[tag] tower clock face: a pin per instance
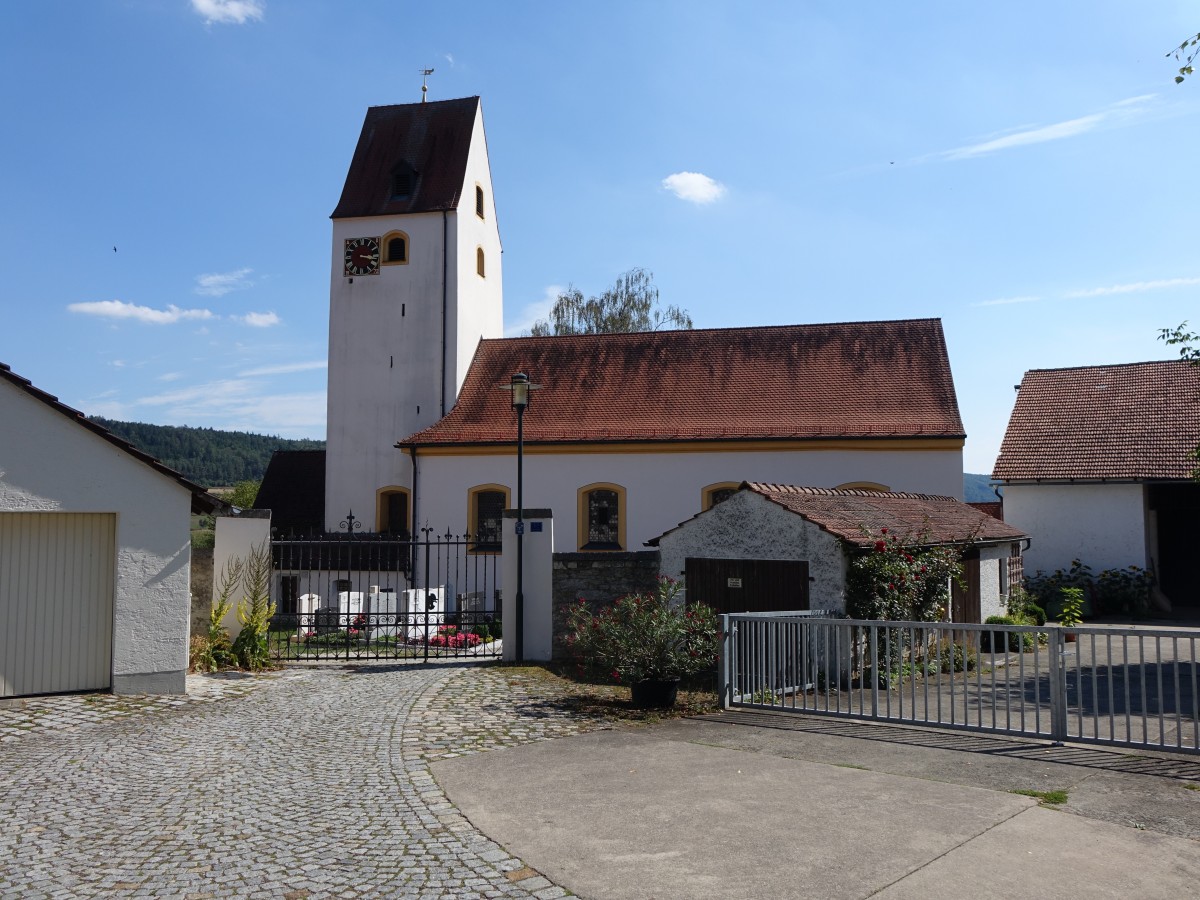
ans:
(362, 256)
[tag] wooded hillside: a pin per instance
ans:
(206, 456)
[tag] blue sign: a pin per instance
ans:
(535, 526)
(520, 528)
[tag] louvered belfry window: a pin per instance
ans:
(397, 250)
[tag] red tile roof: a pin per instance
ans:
(202, 501)
(812, 382)
(433, 138)
(858, 517)
(994, 508)
(1121, 423)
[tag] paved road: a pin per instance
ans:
(309, 782)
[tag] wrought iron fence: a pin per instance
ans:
(1131, 686)
(354, 596)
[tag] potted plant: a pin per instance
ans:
(648, 641)
(1072, 610)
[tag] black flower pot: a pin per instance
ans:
(655, 694)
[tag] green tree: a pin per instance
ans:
(1186, 54)
(629, 305)
(244, 494)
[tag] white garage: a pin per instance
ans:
(95, 552)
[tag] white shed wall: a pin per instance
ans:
(1102, 525)
(49, 463)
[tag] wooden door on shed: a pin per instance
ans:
(748, 585)
(964, 601)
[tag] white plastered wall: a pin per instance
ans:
(49, 463)
(663, 489)
(991, 558)
(749, 526)
(1102, 525)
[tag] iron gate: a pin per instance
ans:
(1131, 686)
(384, 597)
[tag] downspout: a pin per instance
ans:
(445, 297)
(412, 532)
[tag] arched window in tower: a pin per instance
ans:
(479, 267)
(479, 201)
(395, 248)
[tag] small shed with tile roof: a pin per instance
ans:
(750, 542)
(1097, 465)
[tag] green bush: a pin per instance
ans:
(1110, 592)
(996, 641)
(901, 580)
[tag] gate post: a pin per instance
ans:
(1056, 648)
(538, 577)
(723, 666)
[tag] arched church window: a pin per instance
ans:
(479, 266)
(479, 201)
(395, 248)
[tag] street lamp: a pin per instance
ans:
(522, 393)
(520, 388)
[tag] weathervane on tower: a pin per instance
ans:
(425, 73)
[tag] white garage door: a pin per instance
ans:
(56, 602)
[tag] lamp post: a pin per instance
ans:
(520, 400)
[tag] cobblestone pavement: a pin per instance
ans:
(310, 782)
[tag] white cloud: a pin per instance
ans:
(535, 311)
(118, 309)
(1121, 111)
(450, 58)
(694, 187)
(258, 320)
(230, 12)
(237, 405)
(1136, 287)
(170, 376)
(1004, 301)
(285, 368)
(218, 284)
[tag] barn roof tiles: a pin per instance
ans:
(812, 382)
(858, 517)
(1103, 423)
(432, 139)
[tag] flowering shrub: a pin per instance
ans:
(644, 637)
(450, 636)
(901, 580)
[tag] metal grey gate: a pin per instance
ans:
(1130, 686)
(365, 597)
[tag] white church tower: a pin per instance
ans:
(415, 283)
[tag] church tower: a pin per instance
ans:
(415, 283)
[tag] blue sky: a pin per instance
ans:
(1025, 171)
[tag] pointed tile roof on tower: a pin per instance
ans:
(433, 138)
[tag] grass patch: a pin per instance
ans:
(1192, 787)
(1047, 798)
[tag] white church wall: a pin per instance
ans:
(664, 489)
(480, 311)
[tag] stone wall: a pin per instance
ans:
(598, 578)
(202, 589)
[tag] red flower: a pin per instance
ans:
(616, 675)
(880, 546)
